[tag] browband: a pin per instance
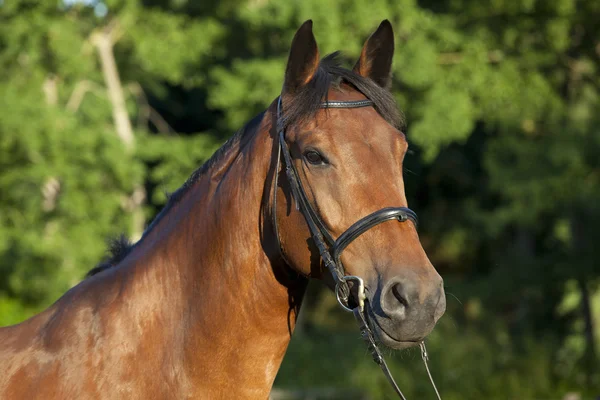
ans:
(347, 104)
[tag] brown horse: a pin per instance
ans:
(204, 305)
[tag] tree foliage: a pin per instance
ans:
(501, 100)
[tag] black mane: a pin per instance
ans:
(301, 107)
(120, 247)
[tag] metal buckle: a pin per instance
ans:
(361, 292)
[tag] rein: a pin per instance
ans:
(331, 249)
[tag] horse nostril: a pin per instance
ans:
(397, 291)
(395, 298)
(410, 304)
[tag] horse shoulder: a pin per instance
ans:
(51, 354)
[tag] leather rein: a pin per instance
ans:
(331, 249)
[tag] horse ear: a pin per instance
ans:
(303, 61)
(375, 60)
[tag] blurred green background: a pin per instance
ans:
(502, 102)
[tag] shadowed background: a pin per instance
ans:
(106, 105)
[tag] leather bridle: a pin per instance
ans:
(331, 249)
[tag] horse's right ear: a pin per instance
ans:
(303, 61)
(375, 60)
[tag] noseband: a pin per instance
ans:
(331, 249)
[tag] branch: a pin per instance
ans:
(50, 88)
(147, 112)
(81, 89)
(50, 191)
(135, 200)
(159, 122)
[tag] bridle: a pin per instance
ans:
(331, 249)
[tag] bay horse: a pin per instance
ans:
(204, 305)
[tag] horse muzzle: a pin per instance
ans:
(403, 311)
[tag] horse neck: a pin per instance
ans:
(236, 313)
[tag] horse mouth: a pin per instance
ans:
(385, 338)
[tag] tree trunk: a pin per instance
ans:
(589, 358)
(584, 249)
(104, 44)
(104, 41)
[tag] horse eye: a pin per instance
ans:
(314, 157)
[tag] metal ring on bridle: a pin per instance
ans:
(361, 292)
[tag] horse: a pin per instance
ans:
(205, 303)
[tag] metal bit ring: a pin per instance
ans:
(361, 292)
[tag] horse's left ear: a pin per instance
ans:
(303, 61)
(375, 60)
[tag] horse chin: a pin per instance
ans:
(386, 339)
